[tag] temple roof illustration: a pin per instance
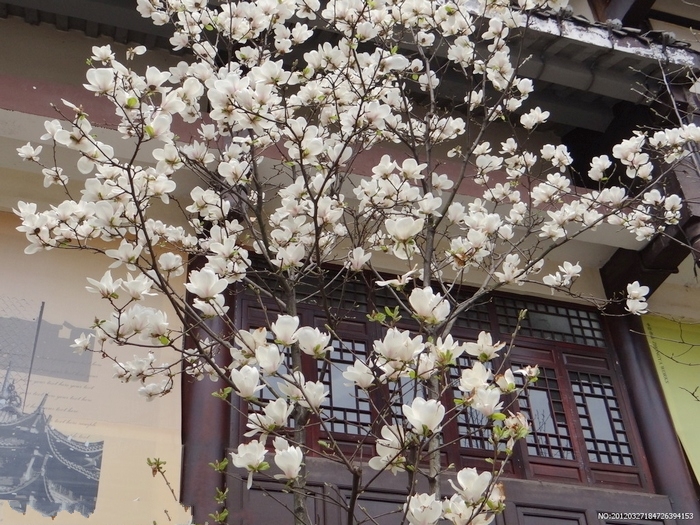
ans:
(41, 467)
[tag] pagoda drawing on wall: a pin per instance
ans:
(40, 467)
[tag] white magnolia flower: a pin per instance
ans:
(205, 283)
(246, 381)
(27, 152)
(288, 459)
(484, 348)
(357, 258)
(533, 118)
(274, 416)
(250, 456)
(82, 343)
(487, 400)
(102, 54)
(475, 377)
(389, 449)
(314, 394)
(137, 287)
(636, 306)
(269, 358)
(250, 340)
(101, 80)
(423, 509)
(459, 512)
(430, 308)
(446, 351)
(171, 263)
(403, 229)
(127, 253)
(637, 291)
(312, 341)
(152, 390)
(106, 287)
(285, 329)
(506, 381)
(291, 386)
(360, 374)
(400, 281)
(424, 416)
(398, 345)
(472, 484)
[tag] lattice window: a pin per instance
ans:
(344, 294)
(347, 407)
(601, 419)
(477, 318)
(542, 404)
(471, 424)
(401, 392)
(551, 322)
(348, 295)
(576, 418)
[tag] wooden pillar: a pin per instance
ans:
(205, 431)
(665, 455)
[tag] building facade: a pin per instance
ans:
(603, 448)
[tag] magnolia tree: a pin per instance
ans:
(284, 209)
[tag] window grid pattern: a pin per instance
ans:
(347, 407)
(401, 392)
(384, 297)
(542, 404)
(272, 389)
(551, 322)
(546, 404)
(471, 424)
(348, 295)
(477, 318)
(273, 382)
(601, 419)
(345, 294)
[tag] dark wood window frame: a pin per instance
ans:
(586, 449)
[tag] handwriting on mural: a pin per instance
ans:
(36, 381)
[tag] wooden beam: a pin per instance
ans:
(661, 257)
(650, 266)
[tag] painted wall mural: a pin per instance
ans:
(73, 440)
(40, 466)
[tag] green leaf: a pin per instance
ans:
(377, 317)
(164, 340)
(219, 466)
(393, 313)
(221, 495)
(223, 393)
(219, 517)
